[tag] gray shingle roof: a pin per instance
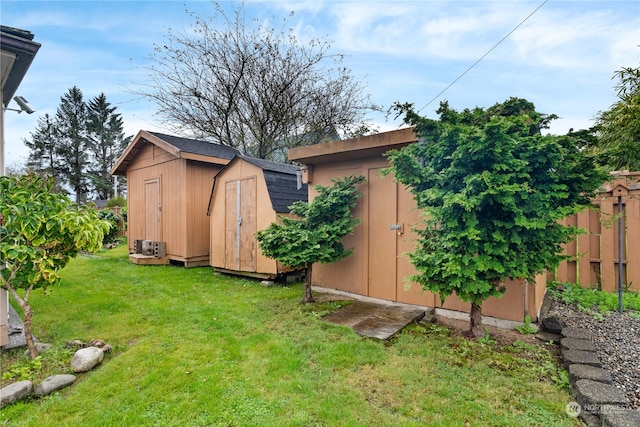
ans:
(196, 146)
(281, 180)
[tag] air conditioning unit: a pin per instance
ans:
(147, 247)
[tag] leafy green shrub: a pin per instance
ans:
(114, 220)
(594, 301)
(116, 201)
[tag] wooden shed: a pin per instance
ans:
(247, 196)
(378, 268)
(168, 187)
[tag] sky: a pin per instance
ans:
(562, 57)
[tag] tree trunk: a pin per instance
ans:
(475, 317)
(308, 296)
(28, 314)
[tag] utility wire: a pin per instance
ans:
(483, 56)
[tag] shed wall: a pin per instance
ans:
(183, 193)
(264, 215)
(379, 266)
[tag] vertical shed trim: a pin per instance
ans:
(238, 222)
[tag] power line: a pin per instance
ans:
(483, 56)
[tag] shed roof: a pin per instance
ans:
(281, 179)
(353, 149)
(186, 148)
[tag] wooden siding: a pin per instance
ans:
(184, 188)
(379, 266)
(595, 261)
(256, 204)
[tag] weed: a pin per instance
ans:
(486, 339)
(23, 369)
(527, 327)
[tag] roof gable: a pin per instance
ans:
(185, 148)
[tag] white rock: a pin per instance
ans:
(86, 359)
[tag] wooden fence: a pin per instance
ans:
(595, 261)
(123, 224)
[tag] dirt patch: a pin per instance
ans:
(503, 337)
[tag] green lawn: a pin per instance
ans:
(196, 348)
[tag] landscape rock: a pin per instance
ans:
(76, 344)
(53, 383)
(594, 395)
(553, 324)
(86, 359)
(580, 333)
(622, 418)
(580, 357)
(267, 283)
(577, 344)
(545, 336)
(15, 392)
(41, 347)
(597, 399)
(106, 348)
(587, 372)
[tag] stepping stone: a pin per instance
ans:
(580, 357)
(352, 314)
(571, 332)
(577, 344)
(386, 322)
(587, 372)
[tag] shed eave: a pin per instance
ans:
(203, 158)
(350, 149)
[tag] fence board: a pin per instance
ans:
(633, 242)
(607, 260)
(595, 254)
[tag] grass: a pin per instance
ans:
(195, 348)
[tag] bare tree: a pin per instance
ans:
(243, 83)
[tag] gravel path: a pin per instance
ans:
(617, 338)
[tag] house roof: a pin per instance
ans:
(281, 179)
(185, 148)
(18, 50)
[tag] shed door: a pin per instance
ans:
(240, 225)
(383, 200)
(152, 210)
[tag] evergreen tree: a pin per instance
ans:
(314, 233)
(493, 189)
(107, 140)
(73, 142)
(43, 158)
